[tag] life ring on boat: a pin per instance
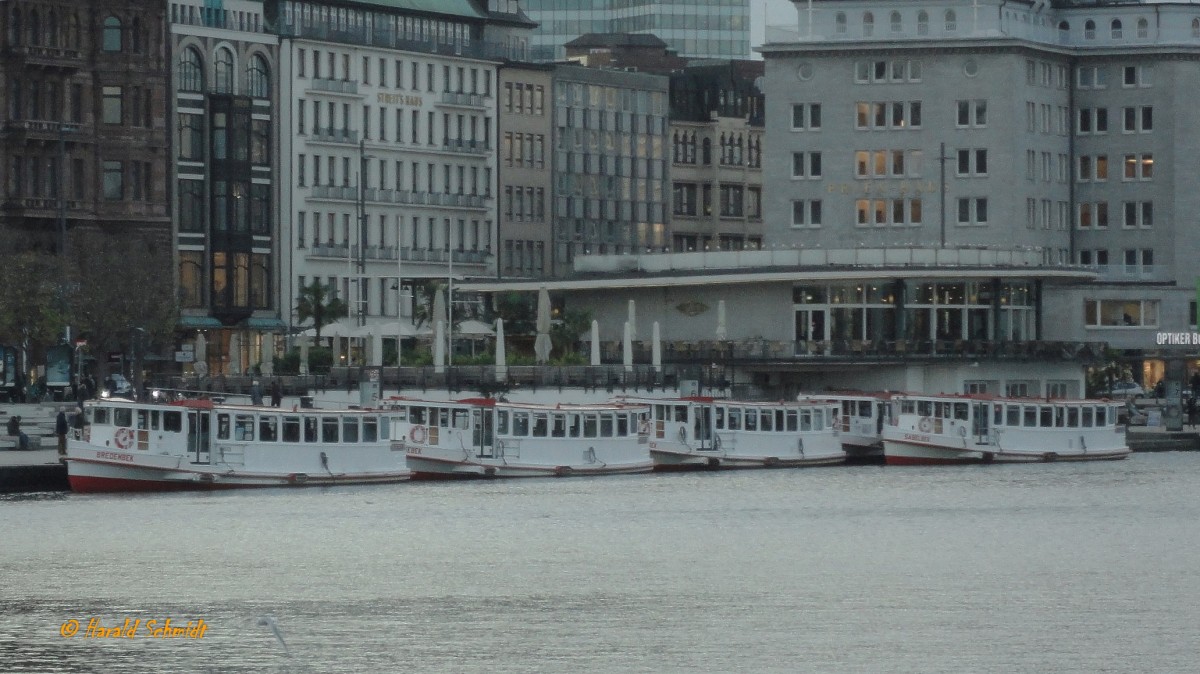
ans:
(123, 438)
(962, 431)
(682, 434)
(925, 425)
(297, 478)
(418, 434)
(644, 427)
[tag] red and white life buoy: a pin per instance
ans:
(925, 425)
(123, 438)
(418, 434)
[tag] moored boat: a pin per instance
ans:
(861, 417)
(197, 444)
(484, 438)
(946, 429)
(700, 432)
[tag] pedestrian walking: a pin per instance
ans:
(276, 393)
(256, 393)
(60, 429)
(1191, 411)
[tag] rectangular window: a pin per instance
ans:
(806, 213)
(111, 107)
(806, 164)
(114, 180)
(1120, 313)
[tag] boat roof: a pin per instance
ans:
(988, 397)
(493, 402)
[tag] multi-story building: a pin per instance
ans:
(695, 29)
(389, 145)
(610, 168)
(226, 196)
(525, 168)
(716, 156)
(1060, 127)
(83, 115)
(582, 165)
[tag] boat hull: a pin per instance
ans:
(676, 457)
(909, 453)
(425, 466)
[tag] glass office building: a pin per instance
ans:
(695, 29)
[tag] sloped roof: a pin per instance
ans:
(617, 40)
(464, 8)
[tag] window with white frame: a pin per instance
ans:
(806, 164)
(971, 162)
(1091, 120)
(887, 163)
(1097, 258)
(1138, 214)
(972, 211)
(806, 213)
(1139, 261)
(1091, 77)
(1120, 313)
(880, 72)
(1136, 76)
(1138, 119)
(806, 116)
(887, 115)
(972, 113)
(1093, 214)
(884, 212)
(1092, 168)
(1138, 166)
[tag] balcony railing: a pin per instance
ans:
(465, 146)
(347, 136)
(388, 253)
(335, 86)
(762, 350)
(463, 99)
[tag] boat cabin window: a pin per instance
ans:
(622, 425)
(1100, 416)
(1087, 414)
(502, 422)
(591, 423)
(558, 425)
(349, 429)
(520, 424)
(462, 419)
(99, 415)
(143, 421)
(123, 417)
(681, 413)
(908, 407)
(925, 408)
(606, 425)
(541, 425)
(791, 420)
(720, 418)
(243, 428)
(751, 419)
(574, 425)
(961, 411)
(370, 429)
(1013, 413)
(401, 414)
(1073, 417)
(864, 409)
(291, 429)
(310, 429)
(1046, 420)
(223, 427)
(268, 428)
(1029, 416)
(173, 422)
(735, 419)
(1059, 417)
(767, 421)
(806, 420)
(329, 429)
(416, 415)
(660, 412)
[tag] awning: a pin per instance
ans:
(199, 323)
(271, 324)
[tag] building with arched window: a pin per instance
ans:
(226, 192)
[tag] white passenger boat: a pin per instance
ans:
(700, 432)
(938, 429)
(129, 446)
(483, 437)
(860, 421)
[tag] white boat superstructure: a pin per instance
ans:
(700, 432)
(483, 437)
(130, 446)
(940, 429)
(861, 417)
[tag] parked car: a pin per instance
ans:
(1123, 389)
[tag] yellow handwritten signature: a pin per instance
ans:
(134, 628)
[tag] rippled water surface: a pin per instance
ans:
(1040, 568)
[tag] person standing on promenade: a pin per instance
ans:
(276, 393)
(60, 429)
(255, 393)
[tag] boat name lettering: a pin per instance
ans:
(116, 456)
(915, 436)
